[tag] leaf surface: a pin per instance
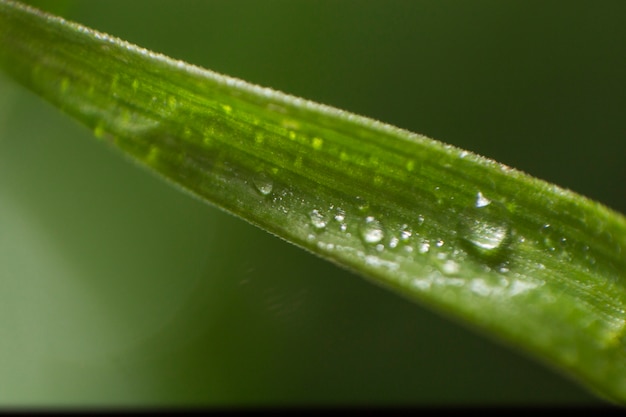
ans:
(516, 257)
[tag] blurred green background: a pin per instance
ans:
(117, 289)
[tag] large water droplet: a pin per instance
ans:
(372, 230)
(263, 183)
(485, 228)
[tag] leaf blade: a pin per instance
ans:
(480, 242)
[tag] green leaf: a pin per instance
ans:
(526, 261)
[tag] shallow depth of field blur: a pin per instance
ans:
(118, 289)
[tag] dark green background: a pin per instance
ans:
(119, 290)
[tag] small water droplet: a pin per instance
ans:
(393, 242)
(372, 230)
(405, 233)
(440, 243)
(318, 220)
(380, 247)
(340, 214)
(263, 183)
(420, 220)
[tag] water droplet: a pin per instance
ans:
(340, 214)
(318, 220)
(424, 247)
(405, 233)
(372, 230)
(420, 220)
(484, 227)
(440, 243)
(393, 242)
(263, 183)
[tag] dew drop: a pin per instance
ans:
(405, 233)
(263, 183)
(371, 230)
(318, 220)
(340, 214)
(424, 247)
(484, 227)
